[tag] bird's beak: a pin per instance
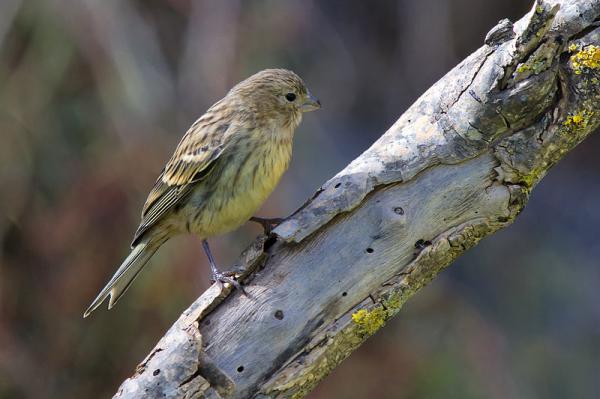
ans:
(311, 103)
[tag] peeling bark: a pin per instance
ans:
(456, 167)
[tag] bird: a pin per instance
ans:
(223, 169)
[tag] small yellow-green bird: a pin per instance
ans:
(223, 169)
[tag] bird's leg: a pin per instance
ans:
(219, 277)
(268, 224)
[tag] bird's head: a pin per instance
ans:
(276, 94)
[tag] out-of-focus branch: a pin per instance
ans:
(456, 167)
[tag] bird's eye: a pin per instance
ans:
(290, 97)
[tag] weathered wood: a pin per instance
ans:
(457, 166)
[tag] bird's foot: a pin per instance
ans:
(220, 277)
(227, 277)
(268, 224)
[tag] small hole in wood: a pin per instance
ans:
(207, 323)
(344, 293)
(399, 210)
(240, 369)
(420, 244)
(156, 372)
(370, 250)
(337, 185)
(279, 314)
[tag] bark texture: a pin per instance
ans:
(456, 167)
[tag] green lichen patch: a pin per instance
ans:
(584, 58)
(542, 59)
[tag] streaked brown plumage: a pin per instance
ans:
(223, 169)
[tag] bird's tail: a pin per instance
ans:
(127, 272)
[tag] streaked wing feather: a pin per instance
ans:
(169, 198)
(192, 161)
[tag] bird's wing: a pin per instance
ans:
(192, 161)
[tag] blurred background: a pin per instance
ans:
(94, 96)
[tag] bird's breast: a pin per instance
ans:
(240, 186)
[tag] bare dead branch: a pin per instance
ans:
(456, 167)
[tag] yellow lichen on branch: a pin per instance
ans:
(579, 119)
(587, 57)
(369, 321)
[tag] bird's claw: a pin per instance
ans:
(227, 277)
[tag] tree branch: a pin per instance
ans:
(456, 167)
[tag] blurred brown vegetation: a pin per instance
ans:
(94, 95)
